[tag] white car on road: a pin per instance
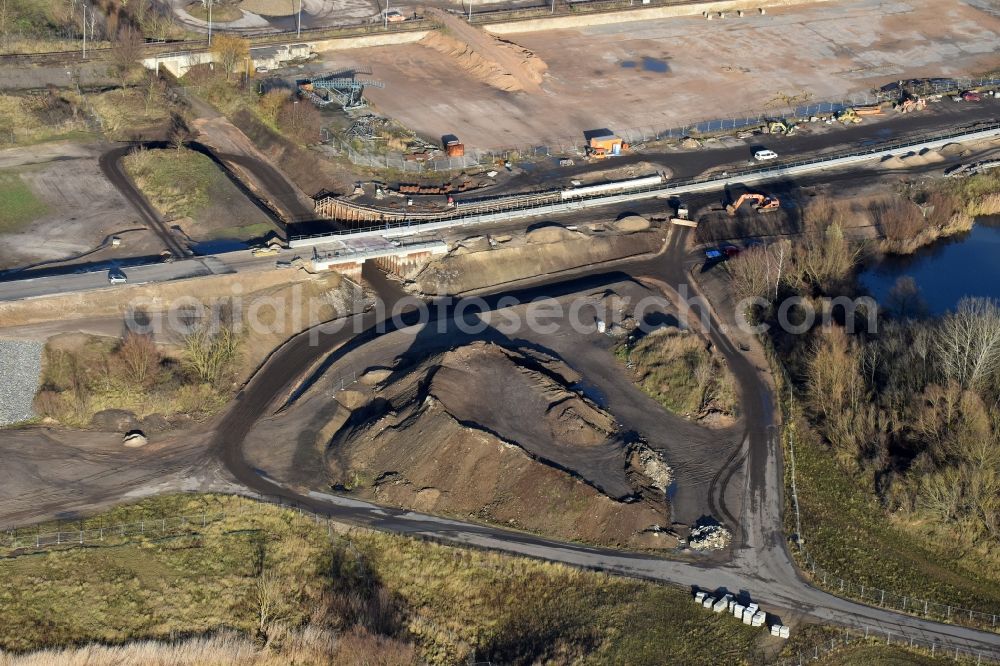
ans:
(765, 155)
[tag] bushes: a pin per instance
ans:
(131, 374)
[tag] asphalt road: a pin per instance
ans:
(690, 163)
(761, 567)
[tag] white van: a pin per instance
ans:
(765, 155)
(117, 277)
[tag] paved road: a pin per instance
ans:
(761, 566)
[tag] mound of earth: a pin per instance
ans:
(501, 435)
(631, 223)
(551, 233)
(498, 63)
(547, 251)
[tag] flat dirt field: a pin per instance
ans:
(79, 208)
(665, 73)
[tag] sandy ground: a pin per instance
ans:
(84, 208)
(666, 73)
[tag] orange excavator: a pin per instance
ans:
(761, 203)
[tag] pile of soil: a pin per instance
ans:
(551, 233)
(922, 158)
(498, 63)
(499, 435)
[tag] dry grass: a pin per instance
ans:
(32, 118)
(358, 597)
(177, 182)
(676, 369)
(82, 380)
(140, 107)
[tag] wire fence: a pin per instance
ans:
(868, 594)
(654, 130)
(95, 532)
(878, 636)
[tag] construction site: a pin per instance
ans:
(548, 87)
(472, 275)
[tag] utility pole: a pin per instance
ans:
(298, 31)
(210, 22)
(84, 31)
(385, 15)
(470, 11)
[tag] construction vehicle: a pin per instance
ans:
(908, 103)
(785, 127)
(848, 116)
(761, 203)
(604, 145)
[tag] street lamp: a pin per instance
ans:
(298, 30)
(210, 21)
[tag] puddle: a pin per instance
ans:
(648, 64)
(655, 65)
(592, 393)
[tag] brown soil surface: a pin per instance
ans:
(484, 57)
(525, 449)
(670, 72)
(536, 253)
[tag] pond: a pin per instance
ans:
(947, 271)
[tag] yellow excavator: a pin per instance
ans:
(761, 203)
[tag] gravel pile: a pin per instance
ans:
(20, 372)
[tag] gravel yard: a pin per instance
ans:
(20, 370)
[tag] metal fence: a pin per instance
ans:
(868, 594)
(652, 130)
(457, 217)
(876, 636)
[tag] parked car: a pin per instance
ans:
(972, 96)
(115, 276)
(765, 155)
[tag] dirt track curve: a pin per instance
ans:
(761, 564)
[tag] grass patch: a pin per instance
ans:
(139, 107)
(677, 370)
(38, 117)
(883, 655)
(241, 232)
(177, 182)
(449, 604)
(18, 204)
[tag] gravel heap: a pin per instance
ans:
(709, 537)
(20, 372)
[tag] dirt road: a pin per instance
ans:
(761, 566)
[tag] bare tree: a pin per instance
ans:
(210, 351)
(125, 55)
(140, 356)
(269, 594)
(968, 344)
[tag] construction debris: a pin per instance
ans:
(709, 537)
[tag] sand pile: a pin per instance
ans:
(551, 233)
(498, 63)
(923, 158)
(631, 223)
